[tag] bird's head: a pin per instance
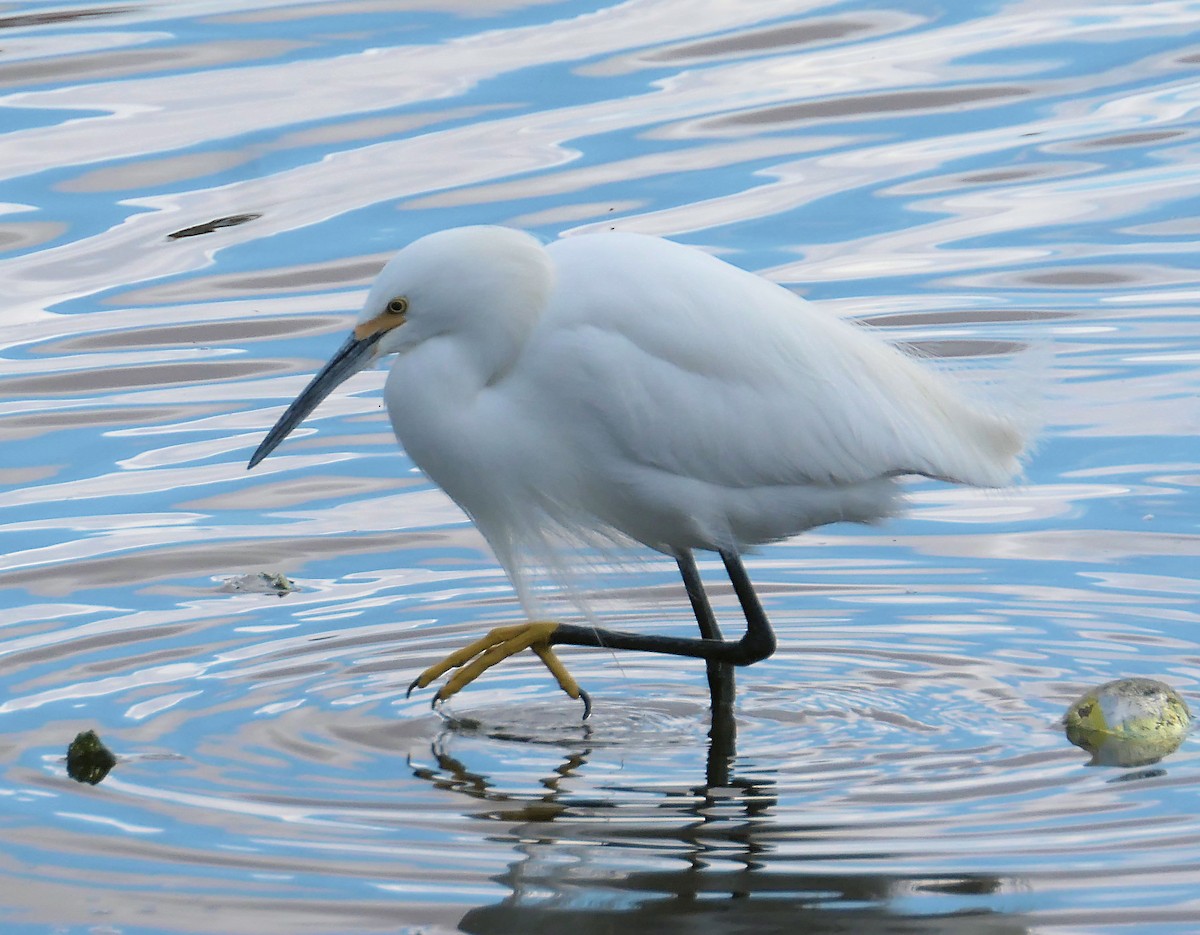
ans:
(484, 286)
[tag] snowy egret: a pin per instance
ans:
(617, 387)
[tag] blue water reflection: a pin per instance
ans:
(974, 179)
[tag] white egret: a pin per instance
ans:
(624, 387)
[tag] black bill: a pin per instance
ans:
(349, 359)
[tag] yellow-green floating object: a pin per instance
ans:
(1128, 722)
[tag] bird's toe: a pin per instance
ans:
(500, 643)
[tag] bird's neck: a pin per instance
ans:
(448, 421)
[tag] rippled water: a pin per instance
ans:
(194, 197)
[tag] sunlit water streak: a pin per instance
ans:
(192, 200)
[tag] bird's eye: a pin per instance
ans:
(398, 305)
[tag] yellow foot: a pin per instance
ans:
(499, 644)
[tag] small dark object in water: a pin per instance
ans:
(209, 226)
(88, 760)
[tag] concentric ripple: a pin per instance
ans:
(195, 196)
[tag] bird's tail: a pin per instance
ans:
(993, 419)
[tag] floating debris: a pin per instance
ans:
(209, 226)
(1128, 722)
(88, 760)
(265, 582)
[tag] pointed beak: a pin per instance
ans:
(350, 358)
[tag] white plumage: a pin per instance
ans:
(661, 392)
(620, 386)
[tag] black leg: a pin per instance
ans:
(722, 746)
(757, 644)
(721, 685)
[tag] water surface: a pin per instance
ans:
(195, 197)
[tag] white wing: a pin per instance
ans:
(701, 370)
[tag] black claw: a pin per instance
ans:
(411, 686)
(587, 703)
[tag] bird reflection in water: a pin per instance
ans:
(699, 860)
